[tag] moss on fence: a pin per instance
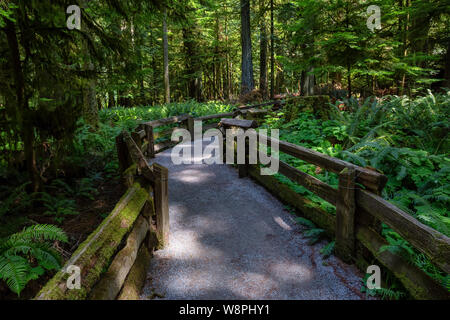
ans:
(94, 255)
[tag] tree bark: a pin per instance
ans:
(23, 112)
(247, 81)
(193, 69)
(272, 53)
(263, 53)
(166, 60)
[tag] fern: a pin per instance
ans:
(313, 233)
(328, 249)
(58, 206)
(26, 255)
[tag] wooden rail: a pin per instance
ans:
(132, 162)
(359, 212)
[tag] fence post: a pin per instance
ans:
(345, 215)
(151, 143)
(125, 161)
(161, 204)
(190, 126)
(137, 139)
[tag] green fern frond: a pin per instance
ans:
(40, 232)
(305, 222)
(14, 271)
(328, 250)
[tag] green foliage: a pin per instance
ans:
(391, 293)
(84, 188)
(328, 249)
(26, 255)
(313, 233)
(387, 134)
(58, 206)
(14, 199)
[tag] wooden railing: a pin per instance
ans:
(131, 150)
(146, 131)
(360, 211)
(114, 259)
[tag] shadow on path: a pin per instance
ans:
(231, 239)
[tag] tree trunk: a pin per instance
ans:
(192, 67)
(272, 53)
(166, 60)
(90, 107)
(23, 113)
(309, 82)
(447, 68)
(263, 53)
(247, 81)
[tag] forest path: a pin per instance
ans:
(231, 239)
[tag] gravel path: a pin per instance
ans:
(231, 239)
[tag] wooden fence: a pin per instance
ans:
(114, 259)
(360, 209)
(131, 150)
(356, 225)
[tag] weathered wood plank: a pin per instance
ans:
(96, 252)
(109, 286)
(369, 178)
(141, 134)
(313, 184)
(161, 192)
(137, 139)
(245, 124)
(135, 280)
(151, 142)
(122, 153)
(138, 157)
(345, 215)
(163, 146)
(214, 116)
(427, 240)
(417, 282)
(166, 121)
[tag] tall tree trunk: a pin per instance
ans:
(23, 113)
(90, 106)
(166, 59)
(272, 53)
(247, 81)
(309, 82)
(349, 79)
(192, 67)
(227, 81)
(447, 68)
(263, 53)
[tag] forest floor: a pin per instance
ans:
(91, 213)
(231, 239)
